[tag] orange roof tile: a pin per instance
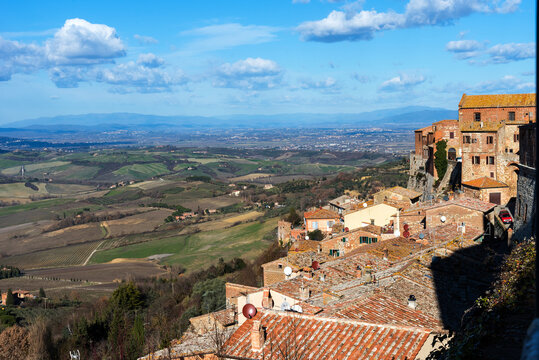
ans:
(320, 214)
(467, 202)
(316, 337)
(382, 309)
(484, 183)
(502, 100)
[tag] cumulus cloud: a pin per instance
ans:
(465, 49)
(497, 54)
(250, 73)
(401, 82)
(81, 51)
(362, 25)
(150, 60)
(145, 40)
(503, 85)
(328, 85)
(504, 53)
(79, 42)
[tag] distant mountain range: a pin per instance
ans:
(400, 118)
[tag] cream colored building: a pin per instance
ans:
(379, 215)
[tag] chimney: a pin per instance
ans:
(267, 301)
(386, 254)
(304, 293)
(359, 272)
(411, 302)
(319, 248)
(322, 277)
(257, 336)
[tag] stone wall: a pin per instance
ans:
(525, 204)
(522, 114)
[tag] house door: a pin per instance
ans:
(495, 198)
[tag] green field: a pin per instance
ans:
(33, 205)
(34, 167)
(18, 190)
(142, 171)
(198, 250)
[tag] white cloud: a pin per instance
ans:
(506, 84)
(225, 36)
(145, 40)
(465, 49)
(498, 54)
(362, 25)
(504, 53)
(328, 85)
(401, 82)
(251, 73)
(150, 60)
(79, 42)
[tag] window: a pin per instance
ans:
(466, 139)
(280, 266)
(333, 252)
(330, 224)
(315, 225)
(372, 221)
(451, 135)
(477, 116)
(374, 240)
(490, 160)
(516, 137)
(490, 140)
(491, 174)
(510, 150)
(474, 140)
(511, 116)
(476, 160)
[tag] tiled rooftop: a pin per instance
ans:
(320, 214)
(403, 191)
(467, 202)
(484, 183)
(312, 337)
(503, 100)
(382, 309)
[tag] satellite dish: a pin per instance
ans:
(421, 236)
(442, 219)
(285, 306)
(406, 227)
(249, 311)
(315, 265)
(297, 308)
(288, 271)
(306, 237)
(406, 234)
(364, 204)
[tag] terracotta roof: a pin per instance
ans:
(467, 202)
(312, 337)
(404, 192)
(502, 100)
(426, 128)
(382, 309)
(445, 121)
(484, 183)
(320, 214)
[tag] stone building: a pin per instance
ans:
(526, 200)
(490, 137)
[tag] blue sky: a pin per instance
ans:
(253, 57)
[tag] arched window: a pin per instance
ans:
(452, 154)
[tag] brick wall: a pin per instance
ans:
(353, 241)
(522, 114)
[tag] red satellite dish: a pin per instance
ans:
(346, 229)
(315, 265)
(249, 311)
(406, 227)
(406, 234)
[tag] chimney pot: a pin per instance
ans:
(411, 302)
(304, 293)
(257, 336)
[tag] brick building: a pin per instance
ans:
(490, 138)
